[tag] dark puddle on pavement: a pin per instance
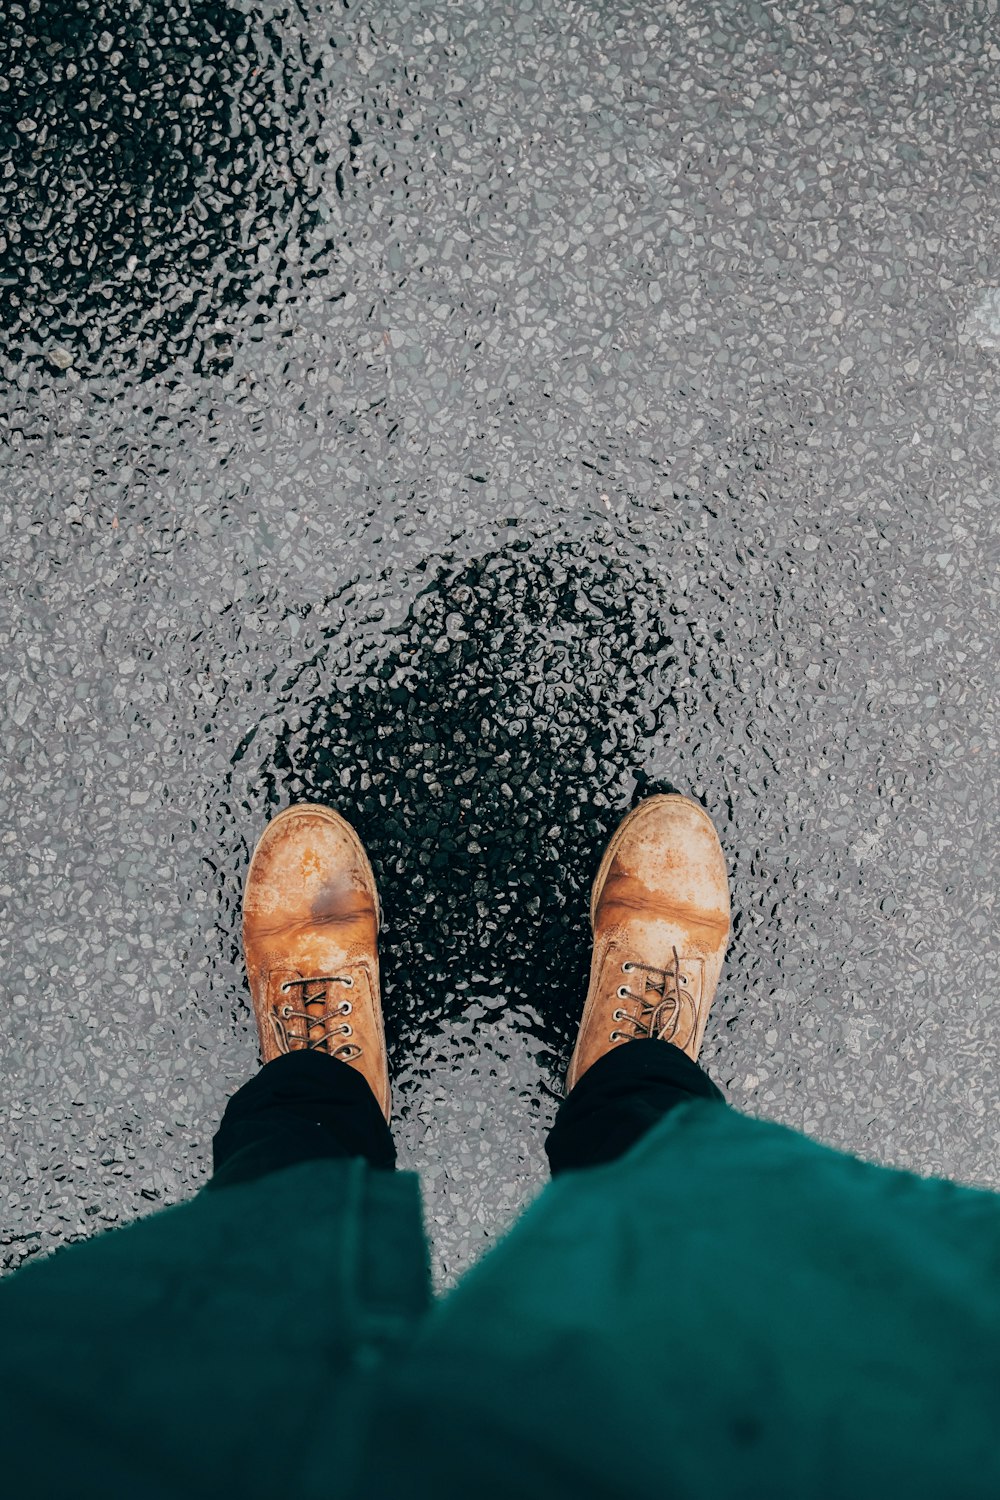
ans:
(162, 178)
(485, 761)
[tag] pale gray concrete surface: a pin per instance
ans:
(473, 415)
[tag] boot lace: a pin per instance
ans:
(665, 1000)
(321, 1025)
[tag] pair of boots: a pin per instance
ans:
(659, 913)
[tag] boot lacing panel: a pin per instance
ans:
(666, 1001)
(322, 1022)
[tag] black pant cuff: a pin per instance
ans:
(619, 1098)
(300, 1107)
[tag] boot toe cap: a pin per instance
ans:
(667, 854)
(308, 866)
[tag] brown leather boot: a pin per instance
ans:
(310, 925)
(659, 911)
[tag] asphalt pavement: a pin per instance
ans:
(477, 416)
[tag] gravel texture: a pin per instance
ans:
(475, 417)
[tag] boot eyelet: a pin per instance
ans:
(615, 1036)
(348, 980)
(618, 1015)
(627, 968)
(346, 1031)
(622, 992)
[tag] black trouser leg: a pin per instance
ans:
(621, 1096)
(299, 1107)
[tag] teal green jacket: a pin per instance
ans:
(730, 1310)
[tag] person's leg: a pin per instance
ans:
(230, 1344)
(725, 1308)
(299, 1107)
(620, 1097)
